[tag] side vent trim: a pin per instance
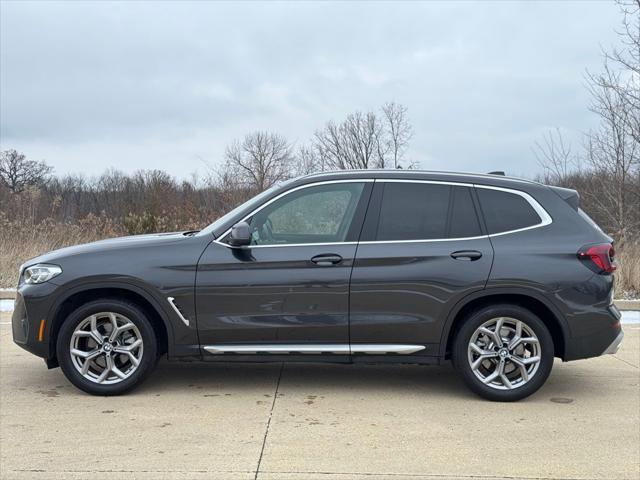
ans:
(171, 301)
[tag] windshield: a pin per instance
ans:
(250, 204)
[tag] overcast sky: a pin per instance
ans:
(91, 85)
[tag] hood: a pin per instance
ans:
(134, 241)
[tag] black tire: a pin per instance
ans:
(133, 313)
(474, 321)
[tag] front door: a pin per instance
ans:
(287, 292)
(422, 249)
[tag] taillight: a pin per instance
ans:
(599, 258)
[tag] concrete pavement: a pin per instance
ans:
(333, 422)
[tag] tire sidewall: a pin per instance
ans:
(476, 319)
(136, 316)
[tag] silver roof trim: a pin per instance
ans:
(437, 182)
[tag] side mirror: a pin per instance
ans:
(240, 235)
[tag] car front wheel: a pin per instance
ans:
(107, 347)
(504, 352)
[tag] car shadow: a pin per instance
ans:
(563, 386)
(245, 377)
(390, 380)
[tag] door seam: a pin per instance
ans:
(353, 265)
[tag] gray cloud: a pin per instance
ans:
(161, 84)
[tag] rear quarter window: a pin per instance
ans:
(505, 211)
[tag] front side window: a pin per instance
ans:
(426, 211)
(505, 211)
(317, 214)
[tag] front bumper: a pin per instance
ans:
(31, 320)
(615, 345)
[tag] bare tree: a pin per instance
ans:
(354, 143)
(260, 160)
(613, 150)
(622, 66)
(18, 173)
(399, 130)
(627, 57)
(614, 155)
(554, 155)
(364, 140)
(307, 161)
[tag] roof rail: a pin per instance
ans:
(496, 172)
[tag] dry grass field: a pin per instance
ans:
(21, 241)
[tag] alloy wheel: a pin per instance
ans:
(504, 353)
(106, 348)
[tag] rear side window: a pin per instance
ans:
(424, 211)
(504, 211)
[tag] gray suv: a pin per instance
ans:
(498, 274)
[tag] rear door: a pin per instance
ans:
(422, 249)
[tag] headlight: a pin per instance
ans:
(41, 273)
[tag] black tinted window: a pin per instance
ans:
(504, 211)
(426, 211)
(464, 220)
(413, 211)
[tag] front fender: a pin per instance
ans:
(178, 334)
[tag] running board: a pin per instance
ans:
(336, 348)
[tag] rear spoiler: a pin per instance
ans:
(568, 195)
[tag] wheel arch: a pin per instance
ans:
(547, 312)
(117, 291)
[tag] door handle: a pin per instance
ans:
(469, 255)
(326, 259)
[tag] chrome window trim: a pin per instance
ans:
(289, 245)
(457, 239)
(539, 209)
(277, 197)
(335, 348)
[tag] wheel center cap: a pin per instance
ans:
(107, 347)
(504, 353)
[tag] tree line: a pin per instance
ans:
(153, 200)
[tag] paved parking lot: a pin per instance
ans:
(192, 421)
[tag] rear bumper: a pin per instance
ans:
(595, 334)
(615, 345)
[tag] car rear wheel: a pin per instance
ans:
(504, 352)
(107, 347)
